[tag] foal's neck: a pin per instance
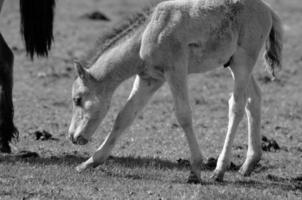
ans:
(118, 63)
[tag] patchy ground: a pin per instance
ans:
(149, 162)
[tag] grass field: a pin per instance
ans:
(149, 161)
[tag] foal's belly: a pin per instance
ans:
(203, 56)
(210, 54)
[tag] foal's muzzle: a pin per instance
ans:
(80, 140)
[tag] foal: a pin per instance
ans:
(180, 37)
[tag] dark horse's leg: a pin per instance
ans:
(7, 129)
(37, 29)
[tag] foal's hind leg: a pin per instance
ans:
(177, 80)
(142, 91)
(241, 68)
(253, 112)
(7, 128)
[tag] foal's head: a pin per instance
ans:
(91, 102)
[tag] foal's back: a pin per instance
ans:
(209, 31)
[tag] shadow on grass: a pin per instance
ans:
(285, 184)
(34, 159)
(71, 159)
(74, 159)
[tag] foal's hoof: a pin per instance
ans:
(84, 166)
(217, 176)
(5, 148)
(80, 168)
(247, 169)
(193, 178)
(245, 172)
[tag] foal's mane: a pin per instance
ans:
(119, 31)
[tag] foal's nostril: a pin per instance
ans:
(81, 140)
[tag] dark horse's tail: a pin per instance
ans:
(37, 25)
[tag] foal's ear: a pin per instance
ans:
(81, 71)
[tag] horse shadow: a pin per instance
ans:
(71, 159)
(131, 162)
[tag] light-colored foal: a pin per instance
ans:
(182, 37)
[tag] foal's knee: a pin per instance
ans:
(236, 106)
(254, 101)
(253, 105)
(184, 118)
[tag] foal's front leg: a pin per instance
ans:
(141, 92)
(177, 80)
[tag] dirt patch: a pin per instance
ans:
(96, 16)
(43, 136)
(269, 145)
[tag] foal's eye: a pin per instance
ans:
(77, 101)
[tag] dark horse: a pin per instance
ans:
(37, 30)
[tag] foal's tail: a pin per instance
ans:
(274, 45)
(37, 25)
